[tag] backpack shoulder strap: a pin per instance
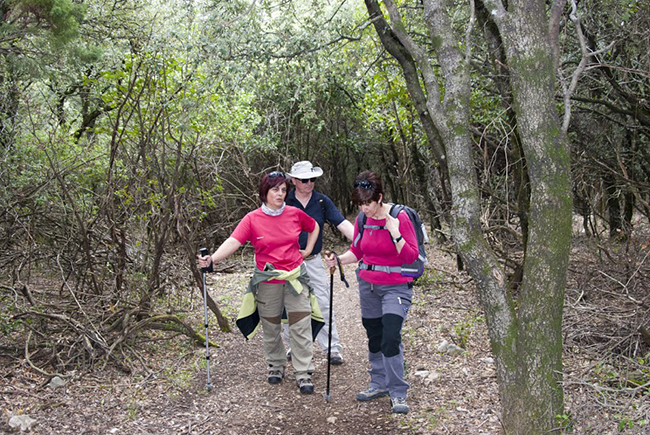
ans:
(361, 223)
(395, 209)
(321, 201)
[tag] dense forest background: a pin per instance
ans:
(134, 132)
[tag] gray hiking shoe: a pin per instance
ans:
(399, 405)
(371, 393)
(275, 375)
(306, 386)
(336, 359)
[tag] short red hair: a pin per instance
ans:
(269, 181)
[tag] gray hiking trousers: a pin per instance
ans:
(383, 311)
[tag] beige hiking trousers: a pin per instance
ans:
(271, 299)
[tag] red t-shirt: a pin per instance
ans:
(377, 247)
(275, 238)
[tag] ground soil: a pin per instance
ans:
(449, 394)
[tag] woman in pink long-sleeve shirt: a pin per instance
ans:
(385, 295)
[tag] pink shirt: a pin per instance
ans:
(377, 247)
(275, 238)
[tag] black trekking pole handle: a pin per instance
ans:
(210, 268)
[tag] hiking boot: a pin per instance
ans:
(336, 359)
(371, 393)
(305, 385)
(399, 405)
(275, 375)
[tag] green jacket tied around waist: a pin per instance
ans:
(248, 319)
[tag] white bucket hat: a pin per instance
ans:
(305, 169)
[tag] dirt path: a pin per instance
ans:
(258, 407)
(448, 394)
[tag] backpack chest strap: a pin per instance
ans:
(374, 227)
(369, 227)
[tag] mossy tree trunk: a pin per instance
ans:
(535, 398)
(525, 335)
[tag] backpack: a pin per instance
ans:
(415, 269)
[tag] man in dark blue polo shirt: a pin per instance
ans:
(321, 208)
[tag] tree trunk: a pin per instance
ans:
(9, 103)
(613, 205)
(412, 79)
(534, 398)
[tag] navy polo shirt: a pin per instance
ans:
(314, 209)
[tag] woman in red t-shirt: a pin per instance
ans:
(385, 297)
(273, 230)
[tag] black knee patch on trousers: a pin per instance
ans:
(374, 331)
(392, 336)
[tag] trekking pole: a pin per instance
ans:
(329, 334)
(329, 331)
(204, 270)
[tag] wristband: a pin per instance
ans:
(396, 240)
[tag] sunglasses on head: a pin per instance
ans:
(306, 180)
(276, 174)
(366, 185)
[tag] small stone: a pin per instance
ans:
(56, 382)
(452, 349)
(331, 420)
(434, 376)
(22, 422)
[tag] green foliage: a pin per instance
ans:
(61, 17)
(488, 109)
(9, 325)
(565, 421)
(430, 277)
(387, 104)
(625, 422)
(462, 330)
(230, 304)
(305, 80)
(610, 376)
(182, 376)
(427, 419)
(629, 8)
(132, 410)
